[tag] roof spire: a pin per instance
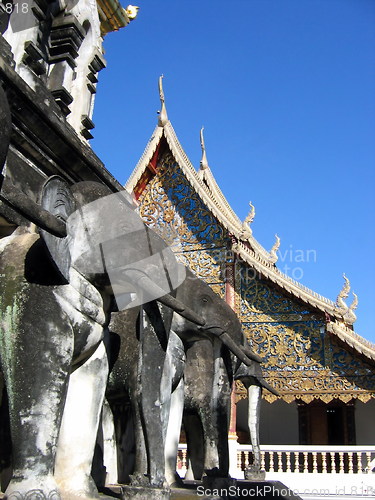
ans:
(163, 117)
(273, 255)
(204, 162)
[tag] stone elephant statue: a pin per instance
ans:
(56, 294)
(156, 445)
(209, 371)
(206, 418)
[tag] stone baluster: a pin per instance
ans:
(333, 461)
(239, 460)
(305, 462)
(324, 461)
(350, 457)
(246, 455)
(341, 467)
(271, 462)
(279, 462)
(315, 461)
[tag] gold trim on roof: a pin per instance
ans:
(112, 16)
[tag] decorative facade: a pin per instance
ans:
(310, 349)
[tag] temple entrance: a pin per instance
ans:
(330, 424)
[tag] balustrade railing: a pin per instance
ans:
(302, 459)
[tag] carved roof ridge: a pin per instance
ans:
(144, 159)
(352, 338)
(209, 197)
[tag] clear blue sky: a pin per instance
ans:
(285, 90)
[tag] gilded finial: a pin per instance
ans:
(204, 162)
(131, 11)
(163, 117)
(273, 252)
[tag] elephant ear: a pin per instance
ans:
(57, 198)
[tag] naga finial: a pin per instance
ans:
(246, 229)
(251, 215)
(273, 255)
(344, 292)
(204, 162)
(350, 315)
(341, 305)
(163, 117)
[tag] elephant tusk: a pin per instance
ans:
(140, 280)
(24, 205)
(182, 310)
(250, 354)
(227, 341)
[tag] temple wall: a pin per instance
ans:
(278, 422)
(364, 422)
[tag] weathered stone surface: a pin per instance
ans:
(254, 474)
(145, 493)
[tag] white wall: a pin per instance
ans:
(365, 422)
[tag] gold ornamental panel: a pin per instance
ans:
(171, 206)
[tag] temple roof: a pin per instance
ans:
(340, 317)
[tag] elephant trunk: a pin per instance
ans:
(24, 205)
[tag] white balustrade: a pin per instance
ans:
(301, 459)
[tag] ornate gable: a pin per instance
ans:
(309, 351)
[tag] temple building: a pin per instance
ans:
(323, 370)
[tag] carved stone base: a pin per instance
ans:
(144, 493)
(254, 474)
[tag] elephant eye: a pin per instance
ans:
(205, 299)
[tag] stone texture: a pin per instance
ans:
(145, 493)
